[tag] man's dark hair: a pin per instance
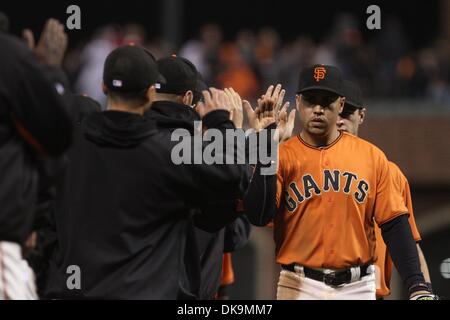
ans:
(132, 98)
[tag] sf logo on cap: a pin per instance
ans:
(319, 73)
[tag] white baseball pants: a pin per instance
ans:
(295, 286)
(17, 281)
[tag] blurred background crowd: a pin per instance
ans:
(251, 44)
(385, 66)
(403, 70)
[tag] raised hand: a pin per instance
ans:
(285, 123)
(268, 106)
(236, 113)
(52, 44)
(214, 99)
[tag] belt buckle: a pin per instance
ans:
(331, 279)
(328, 278)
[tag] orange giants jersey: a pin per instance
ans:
(328, 199)
(384, 261)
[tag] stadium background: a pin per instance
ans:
(404, 70)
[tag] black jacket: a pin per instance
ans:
(49, 172)
(233, 237)
(216, 228)
(33, 122)
(121, 213)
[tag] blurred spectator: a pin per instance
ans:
(92, 60)
(134, 34)
(235, 72)
(246, 43)
(204, 52)
(267, 59)
(390, 46)
(409, 80)
(293, 57)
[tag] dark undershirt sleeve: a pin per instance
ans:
(399, 239)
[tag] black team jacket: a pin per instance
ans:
(213, 229)
(122, 209)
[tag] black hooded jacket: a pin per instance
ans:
(121, 213)
(217, 228)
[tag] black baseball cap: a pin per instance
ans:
(353, 95)
(130, 69)
(181, 75)
(321, 77)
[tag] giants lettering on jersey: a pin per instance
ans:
(333, 181)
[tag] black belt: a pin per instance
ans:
(334, 279)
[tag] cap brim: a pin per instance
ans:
(320, 88)
(353, 104)
(160, 79)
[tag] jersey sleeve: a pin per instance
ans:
(401, 182)
(409, 206)
(389, 203)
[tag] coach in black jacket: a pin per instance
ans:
(216, 228)
(121, 215)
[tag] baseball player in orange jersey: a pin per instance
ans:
(329, 190)
(350, 119)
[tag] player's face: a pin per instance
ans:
(319, 111)
(350, 119)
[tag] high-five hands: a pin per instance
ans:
(271, 110)
(236, 112)
(214, 99)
